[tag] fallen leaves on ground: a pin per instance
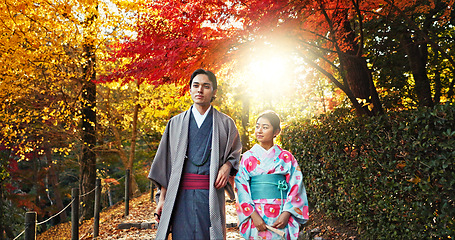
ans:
(329, 228)
(142, 209)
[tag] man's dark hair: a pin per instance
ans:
(209, 74)
(273, 118)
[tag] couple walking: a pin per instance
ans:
(200, 150)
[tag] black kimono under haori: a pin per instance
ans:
(191, 217)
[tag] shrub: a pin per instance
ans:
(392, 175)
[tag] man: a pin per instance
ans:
(197, 152)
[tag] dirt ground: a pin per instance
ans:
(142, 209)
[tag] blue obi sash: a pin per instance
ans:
(268, 186)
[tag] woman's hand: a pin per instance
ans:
(282, 220)
(223, 175)
(258, 222)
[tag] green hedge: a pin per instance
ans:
(392, 175)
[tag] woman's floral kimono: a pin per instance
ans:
(258, 161)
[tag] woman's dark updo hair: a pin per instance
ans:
(273, 118)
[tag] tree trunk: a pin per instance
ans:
(53, 179)
(133, 144)
(357, 75)
(88, 161)
(360, 82)
(118, 140)
(245, 122)
(417, 58)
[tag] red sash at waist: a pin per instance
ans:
(195, 181)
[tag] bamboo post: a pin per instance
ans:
(30, 226)
(96, 221)
(75, 214)
(127, 193)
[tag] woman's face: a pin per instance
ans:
(264, 131)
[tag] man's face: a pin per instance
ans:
(201, 90)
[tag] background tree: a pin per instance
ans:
(37, 103)
(88, 160)
(331, 36)
(133, 117)
(46, 78)
(419, 34)
(223, 27)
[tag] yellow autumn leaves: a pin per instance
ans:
(42, 60)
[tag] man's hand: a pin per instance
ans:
(159, 210)
(159, 206)
(282, 220)
(223, 175)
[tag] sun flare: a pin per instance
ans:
(269, 71)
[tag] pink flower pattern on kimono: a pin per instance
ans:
(291, 222)
(296, 200)
(305, 212)
(265, 235)
(258, 209)
(245, 227)
(251, 163)
(294, 190)
(285, 156)
(271, 210)
(247, 209)
(277, 201)
(245, 187)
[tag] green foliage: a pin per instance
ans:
(392, 175)
(11, 217)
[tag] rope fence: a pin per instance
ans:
(43, 222)
(20, 234)
(55, 215)
(85, 194)
(31, 222)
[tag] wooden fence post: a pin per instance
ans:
(127, 193)
(75, 214)
(30, 226)
(96, 221)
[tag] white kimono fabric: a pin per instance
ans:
(167, 166)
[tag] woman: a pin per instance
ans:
(271, 195)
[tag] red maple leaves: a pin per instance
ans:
(175, 37)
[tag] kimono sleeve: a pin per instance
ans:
(235, 147)
(160, 170)
(296, 201)
(242, 182)
(230, 146)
